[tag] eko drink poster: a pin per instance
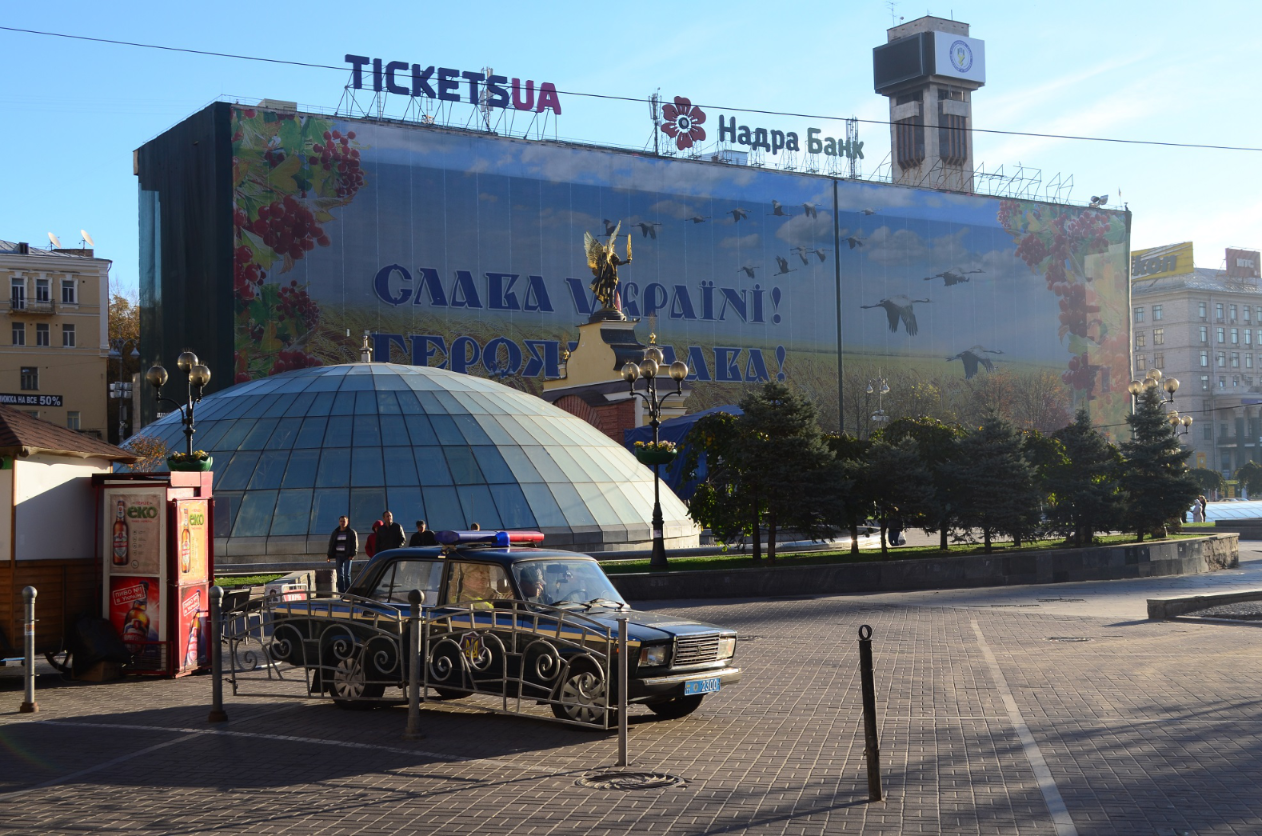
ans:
(135, 532)
(194, 632)
(135, 614)
(191, 531)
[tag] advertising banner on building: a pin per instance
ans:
(133, 531)
(191, 527)
(957, 56)
(1156, 262)
(1243, 264)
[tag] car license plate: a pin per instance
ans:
(702, 686)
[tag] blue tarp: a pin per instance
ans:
(676, 429)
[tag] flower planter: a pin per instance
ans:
(194, 466)
(653, 457)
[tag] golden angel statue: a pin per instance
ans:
(603, 261)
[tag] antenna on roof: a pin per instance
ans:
(53, 239)
(87, 238)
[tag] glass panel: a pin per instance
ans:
(270, 469)
(357, 382)
(257, 439)
(299, 407)
(622, 506)
(442, 507)
(293, 510)
(512, 425)
(321, 404)
(237, 474)
(573, 473)
(446, 430)
(478, 506)
(278, 408)
(343, 403)
(366, 467)
(257, 404)
(255, 517)
(430, 405)
(301, 472)
(394, 432)
(572, 505)
(294, 384)
(471, 430)
(209, 433)
(543, 463)
(367, 430)
(432, 466)
(366, 403)
(366, 507)
(338, 433)
(285, 434)
(226, 505)
(464, 468)
(494, 431)
(421, 430)
(519, 464)
(511, 503)
(326, 507)
(596, 503)
(407, 506)
(335, 469)
(492, 465)
(233, 438)
(408, 404)
(544, 507)
(470, 403)
(311, 434)
(400, 466)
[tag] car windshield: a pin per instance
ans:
(562, 582)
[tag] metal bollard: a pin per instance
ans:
(29, 706)
(871, 748)
(217, 714)
(415, 599)
(623, 666)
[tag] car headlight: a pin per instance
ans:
(653, 655)
(727, 647)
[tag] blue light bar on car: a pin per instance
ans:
(502, 539)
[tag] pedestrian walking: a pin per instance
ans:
(423, 536)
(391, 535)
(343, 546)
(1198, 511)
(370, 548)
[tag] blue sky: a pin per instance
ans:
(74, 111)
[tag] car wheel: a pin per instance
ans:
(676, 708)
(349, 687)
(582, 696)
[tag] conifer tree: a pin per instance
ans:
(1085, 497)
(938, 444)
(1155, 475)
(995, 482)
(898, 482)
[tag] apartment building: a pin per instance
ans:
(1203, 326)
(54, 345)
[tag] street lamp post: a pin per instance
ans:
(120, 390)
(881, 388)
(648, 370)
(198, 377)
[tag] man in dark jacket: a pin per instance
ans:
(390, 535)
(423, 536)
(343, 546)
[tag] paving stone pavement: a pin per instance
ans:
(1141, 728)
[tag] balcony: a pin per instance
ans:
(32, 307)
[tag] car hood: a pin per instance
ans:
(647, 626)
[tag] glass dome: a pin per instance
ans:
(296, 450)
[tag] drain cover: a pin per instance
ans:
(1068, 639)
(629, 781)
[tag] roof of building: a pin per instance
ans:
(24, 435)
(1201, 278)
(11, 248)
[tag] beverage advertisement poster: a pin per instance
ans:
(133, 531)
(135, 612)
(191, 520)
(193, 631)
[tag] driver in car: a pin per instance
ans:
(532, 586)
(476, 588)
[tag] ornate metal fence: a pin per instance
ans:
(514, 656)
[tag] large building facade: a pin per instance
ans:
(53, 342)
(1204, 327)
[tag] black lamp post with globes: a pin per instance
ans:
(198, 377)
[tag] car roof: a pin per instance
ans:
(504, 557)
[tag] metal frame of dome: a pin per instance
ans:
(295, 450)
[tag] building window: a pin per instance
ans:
(1248, 336)
(1246, 314)
(1235, 380)
(30, 378)
(67, 336)
(17, 294)
(1218, 311)
(72, 420)
(1204, 359)
(1204, 334)
(1158, 336)
(1200, 309)
(1139, 314)
(1140, 338)
(1207, 432)
(1231, 312)
(1221, 359)
(1259, 313)
(1140, 363)
(41, 290)
(19, 333)
(41, 334)
(1248, 361)
(1235, 359)
(1235, 336)
(1205, 382)
(1157, 315)
(69, 292)
(1221, 333)
(1222, 384)
(1159, 361)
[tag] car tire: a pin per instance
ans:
(581, 696)
(676, 708)
(348, 686)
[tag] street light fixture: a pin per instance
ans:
(881, 388)
(198, 377)
(120, 390)
(648, 369)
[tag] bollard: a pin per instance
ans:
(217, 714)
(29, 706)
(871, 748)
(623, 666)
(415, 599)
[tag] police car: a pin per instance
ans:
(504, 616)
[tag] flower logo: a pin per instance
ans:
(682, 122)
